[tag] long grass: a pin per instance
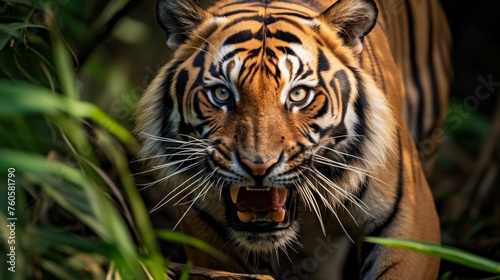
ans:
(78, 213)
(74, 219)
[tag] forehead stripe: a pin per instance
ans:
(240, 37)
(284, 36)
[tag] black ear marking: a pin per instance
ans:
(354, 18)
(179, 18)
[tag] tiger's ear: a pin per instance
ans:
(179, 18)
(354, 18)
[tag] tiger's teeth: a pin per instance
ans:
(234, 194)
(282, 193)
(258, 189)
(245, 217)
(278, 217)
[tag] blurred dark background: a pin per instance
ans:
(120, 47)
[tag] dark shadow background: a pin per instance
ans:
(118, 59)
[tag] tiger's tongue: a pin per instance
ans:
(258, 201)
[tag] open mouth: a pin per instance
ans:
(260, 209)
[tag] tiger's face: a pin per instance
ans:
(263, 113)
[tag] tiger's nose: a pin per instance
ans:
(259, 168)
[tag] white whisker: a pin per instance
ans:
(145, 186)
(349, 155)
(191, 205)
(167, 197)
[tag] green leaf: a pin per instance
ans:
(63, 61)
(177, 237)
(13, 28)
(185, 271)
(20, 98)
(141, 218)
(445, 252)
(103, 219)
(56, 236)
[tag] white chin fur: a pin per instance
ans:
(266, 242)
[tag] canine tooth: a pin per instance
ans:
(278, 217)
(245, 217)
(282, 193)
(234, 194)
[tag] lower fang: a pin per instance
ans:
(278, 217)
(245, 217)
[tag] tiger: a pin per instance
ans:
(279, 131)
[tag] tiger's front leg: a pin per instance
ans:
(402, 205)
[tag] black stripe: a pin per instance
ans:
(270, 53)
(167, 103)
(258, 19)
(199, 59)
(360, 128)
(297, 154)
(197, 106)
(292, 22)
(323, 64)
(386, 269)
(415, 73)
(293, 14)
(285, 36)
(286, 50)
(307, 135)
(323, 110)
(345, 90)
(214, 71)
(367, 248)
(248, 71)
(354, 147)
(237, 12)
(339, 133)
(362, 189)
(232, 53)
(180, 89)
(395, 206)
(306, 74)
(240, 37)
(436, 103)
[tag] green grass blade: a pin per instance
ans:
(57, 236)
(177, 237)
(38, 168)
(62, 58)
(185, 271)
(13, 28)
(58, 270)
(154, 260)
(106, 222)
(21, 98)
(447, 253)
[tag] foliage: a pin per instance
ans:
(64, 120)
(444, 252)
(77, 212)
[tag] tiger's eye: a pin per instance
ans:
(298, 94)
(221, 93)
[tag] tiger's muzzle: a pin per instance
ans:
(260, 209)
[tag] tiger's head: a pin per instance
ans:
(264, 112)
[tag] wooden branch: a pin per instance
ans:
(199, 273)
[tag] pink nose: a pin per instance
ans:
(259, 169)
